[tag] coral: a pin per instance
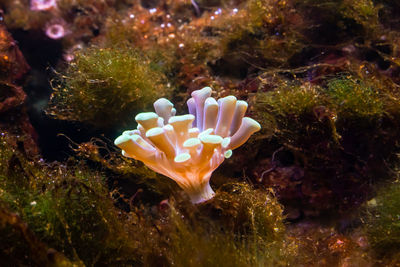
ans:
(189, 148)
(103, 86)
(56, 29)
(66, 215)
(131, 176)
(321, 77)
(41, 5)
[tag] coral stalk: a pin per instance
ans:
(188, 148)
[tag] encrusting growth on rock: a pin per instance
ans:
(188, 148)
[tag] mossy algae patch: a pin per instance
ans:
(240, 226)
(341, 133)
(352, 97)
(382, 222)
(105, 86)
(343, 106)
(67, 209)
(290, 112)
(70, 210)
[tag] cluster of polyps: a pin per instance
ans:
(190, 147)
(40, 5)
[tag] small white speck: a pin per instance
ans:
(212, 18)
(235, 10)
(162, 25)
(153, 10)
(33, 203)
(169, 24)
(181, 45)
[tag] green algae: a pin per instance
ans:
(381, 222)
(264, 35)
(106, 86)
(344, 105)
(346, 20)
(68, 209)
(239, 208)
(240, 226)
(342, 133)
(22, 247)
(293, 112)
(342, 129)
(356, 98)
(19, 16)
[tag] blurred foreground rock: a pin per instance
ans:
(13, 115)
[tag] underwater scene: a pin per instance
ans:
(200, 133)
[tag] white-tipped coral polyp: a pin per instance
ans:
(41, 5)
(56, 29)
(188, 148)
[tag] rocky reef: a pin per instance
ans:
(316, 186)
